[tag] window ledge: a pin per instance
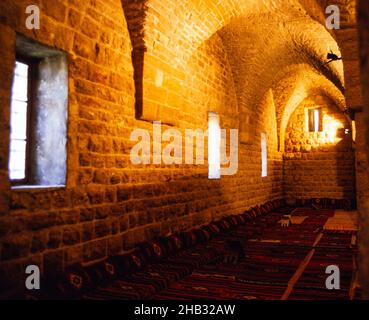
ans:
(21, 188)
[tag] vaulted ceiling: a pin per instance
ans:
(278, 45)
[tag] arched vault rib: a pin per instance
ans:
(300, 82)
(166, 36)
(260, 57)
(347, 38)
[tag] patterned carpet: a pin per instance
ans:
(272, 258)
(342, 221)
(240, 257)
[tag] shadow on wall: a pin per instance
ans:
(363, 18)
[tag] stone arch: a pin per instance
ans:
(347, 39)
(172, 32)
(306, 81)
(298, 59)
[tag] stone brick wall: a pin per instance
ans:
(188, 59)
(6, 52)
(363, 119)
(108, 204)
(314, 167)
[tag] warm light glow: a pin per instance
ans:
(353, 123)
(316, 120)
(331, 133)
(330, 128)
(18, 124)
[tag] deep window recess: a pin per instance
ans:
(38, 122)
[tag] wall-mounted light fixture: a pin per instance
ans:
(332, 57)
